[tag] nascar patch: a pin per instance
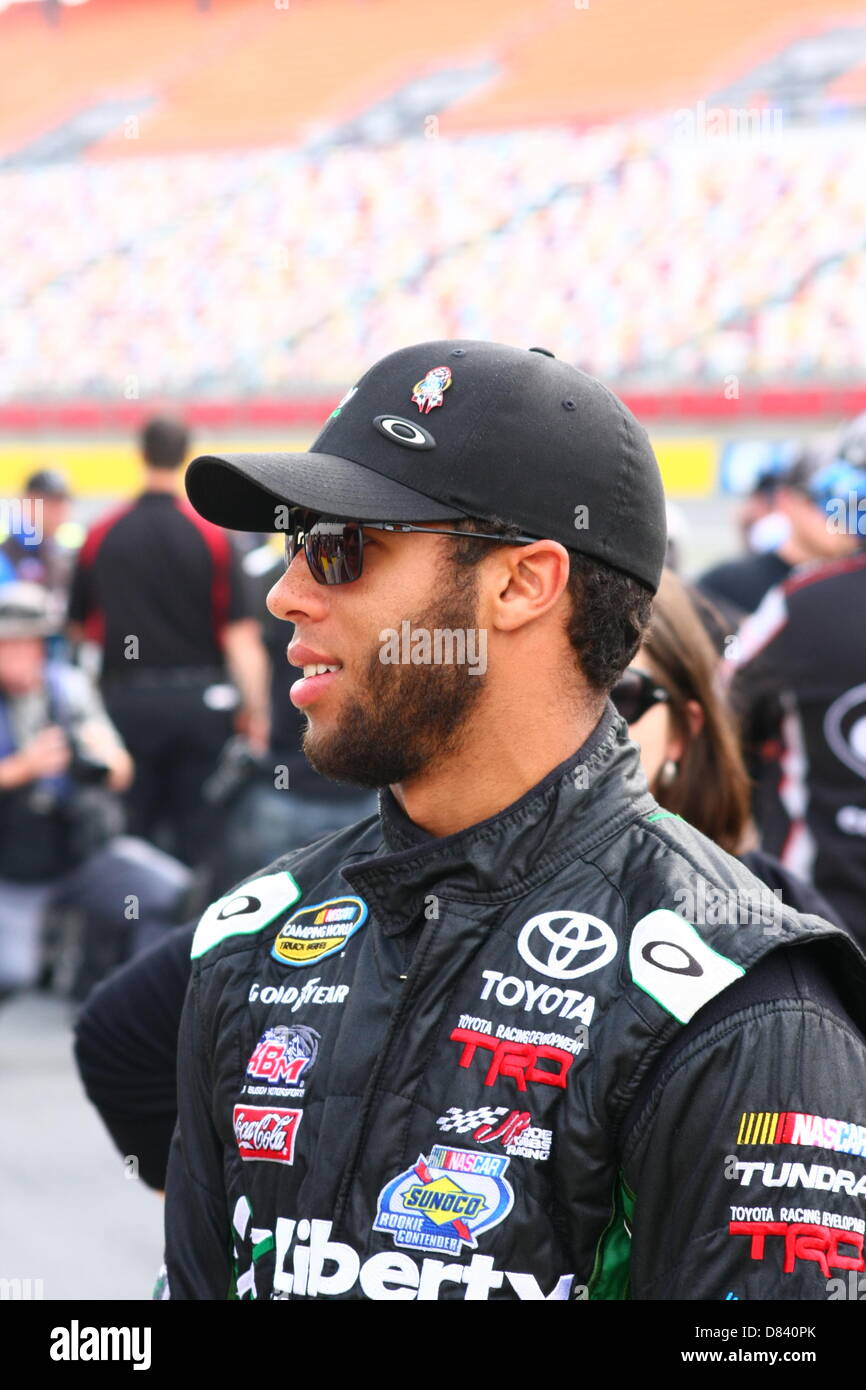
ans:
(793, 1127)
(244, 910)
(317, 931)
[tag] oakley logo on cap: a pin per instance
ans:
(404, 432)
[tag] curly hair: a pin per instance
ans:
(610, 611)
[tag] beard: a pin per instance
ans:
(407, 714)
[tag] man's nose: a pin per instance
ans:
(296, 593)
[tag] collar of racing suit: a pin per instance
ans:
(576, 806)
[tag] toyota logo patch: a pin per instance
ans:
(564, 945)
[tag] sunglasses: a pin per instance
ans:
(635, 692)
(335, 549)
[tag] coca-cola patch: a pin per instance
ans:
(266, 1133)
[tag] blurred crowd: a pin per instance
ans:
(676, 234)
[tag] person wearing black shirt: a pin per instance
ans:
(798, 670)
(162, 592)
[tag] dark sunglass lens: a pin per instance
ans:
(626, 696)
(334, 551)
(353, 542)
(635, 693)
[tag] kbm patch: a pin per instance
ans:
(320, 930)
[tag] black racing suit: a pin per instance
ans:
(800, 689)
(503, 1065)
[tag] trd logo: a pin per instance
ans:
(520, 1061)
(805, 1242)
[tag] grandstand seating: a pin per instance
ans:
(646, 249)
(240, 73)
(271, 271)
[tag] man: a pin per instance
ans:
(163, 595)
(468, 1048)
(41, 545)
(799, 682)
(797, 535)
(62, 767)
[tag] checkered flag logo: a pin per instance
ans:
(462, 1121)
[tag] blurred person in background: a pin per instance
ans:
(799, 686)
(790, 532)
(690, 750)
(62, 766)
(41, 542)
(162, 592)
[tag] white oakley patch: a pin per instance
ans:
(245, 910)
(671, 963)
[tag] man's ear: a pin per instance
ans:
(529, 580)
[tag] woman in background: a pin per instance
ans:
(688, 742)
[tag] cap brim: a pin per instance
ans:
(242, 491)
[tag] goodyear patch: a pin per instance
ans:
(317, 931)
(244, 910)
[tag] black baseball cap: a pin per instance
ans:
(47, 482)
(450, 429)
